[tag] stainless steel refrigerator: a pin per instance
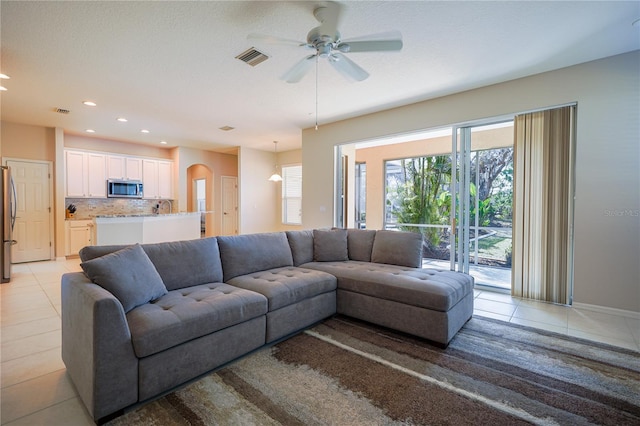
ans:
(7, 220)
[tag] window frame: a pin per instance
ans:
(286, 197)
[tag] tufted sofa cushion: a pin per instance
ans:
(434, 289)
(286, 286)
(189, 313)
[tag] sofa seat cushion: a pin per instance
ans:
(189, 313)
(286, 286)
(434, 289)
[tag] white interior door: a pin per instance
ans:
(229, 205)
(32, 229)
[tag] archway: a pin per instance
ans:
(200, 193)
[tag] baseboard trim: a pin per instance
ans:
(607, 310)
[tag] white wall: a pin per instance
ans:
(258, 196)
(607, 225)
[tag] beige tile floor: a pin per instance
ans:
(36, 391)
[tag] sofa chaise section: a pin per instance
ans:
(381, 281)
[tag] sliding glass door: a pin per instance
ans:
(482, 202)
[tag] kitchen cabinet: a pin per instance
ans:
(85, 175)
(124, 168)
(165, 179)
(157, 178)
(76, 172)
(96, 176)
(79, 234)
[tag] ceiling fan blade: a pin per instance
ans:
(299, 70)
(268, 39)
(347, 67)
(329, 15)
(384, 42)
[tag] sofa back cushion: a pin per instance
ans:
(301, 243)
(128, 274)
(179, 263)
(397, 248)
(244, 254)
(330, 245)
(360, 244)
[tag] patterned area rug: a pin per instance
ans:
(344, 372)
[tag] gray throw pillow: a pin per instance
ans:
(128, 274)
(330, 245)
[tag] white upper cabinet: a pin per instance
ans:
(165, 179)
(115, 167)
(157, 178)
(133, 168)
(124, 168)
(150, 178)
(96, 176)
(86, 174)
(75, 180)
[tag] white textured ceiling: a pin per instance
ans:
(170, 67)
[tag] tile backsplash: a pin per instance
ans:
(88, 208)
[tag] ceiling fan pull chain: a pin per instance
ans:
(317, 92)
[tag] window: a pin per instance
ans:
(292, 195)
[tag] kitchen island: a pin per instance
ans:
(131, 229)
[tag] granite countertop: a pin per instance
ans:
(103, 216)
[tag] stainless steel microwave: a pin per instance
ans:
(124, 188)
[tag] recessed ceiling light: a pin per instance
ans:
(163, 142)
(90, 131)
(90, 103)
(226, 128)
(144, 131)
(3, 89)
(122, 119)
(4, 77)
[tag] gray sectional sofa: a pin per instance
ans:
(143, 319)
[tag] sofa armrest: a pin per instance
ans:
(96, 346)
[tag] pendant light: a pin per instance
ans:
(275, 177)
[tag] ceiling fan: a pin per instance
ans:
(327, 43)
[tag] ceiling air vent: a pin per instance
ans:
(62, 111)
(252, 57)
